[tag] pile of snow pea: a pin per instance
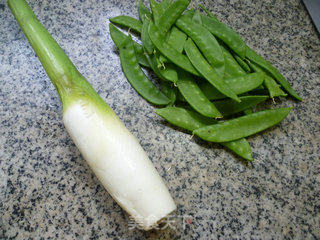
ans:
(210, 80)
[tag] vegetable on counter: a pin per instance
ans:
(111, 151)
(199, 60)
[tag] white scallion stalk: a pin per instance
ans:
(111, 151)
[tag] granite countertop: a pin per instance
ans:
(47, 191)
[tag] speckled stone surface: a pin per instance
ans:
(47, 191)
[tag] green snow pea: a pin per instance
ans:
(207, 71)
(242, 63)
(168, 73)
(191, 121)
(206, 42)
(168, 51)
(184, 118)
(144, 13)
(118, 37)
(170, 91)
(164, 4)
(154, 65)
(171, 14)
(243, 126)
(157, 11)
(147, 43)
(177, 39)
(273, 88)
(136, 76)
(265, 65)
(145, 39)
(228, 107)
(197, 17)
(232, 68)
(225, 34)
(210, 14)
(238, 85)
(128, 22)
(189, 13)
(240, 147)
(194, 96)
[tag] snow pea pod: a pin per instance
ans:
(153, 65)
(242, 63)
(177, 39)
(189, 13)
(243, 126)
(170, 91)
(206, 42)
(273, 88)
(171, 14)
(118, 37)
(238, 85)
(157, 11)
(168, 51)
(128, 22)
(265, 65)
(144, 13)
(197, 17)
(228, 107)
(164, 4)
(141, 57)
(226, 34)
(191, 121)
(147, 43)
(169, 73)
(210, 14)
(232, 68)
(240, 147)
(145, 39)
(136, 76)
(206, 70)
(194, 96)
(184, 118)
